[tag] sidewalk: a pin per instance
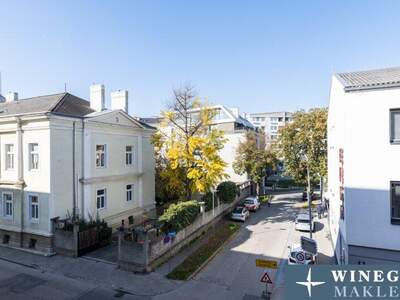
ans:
(101, 274)
(325, 256)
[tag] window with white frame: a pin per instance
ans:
(100, 156)
(9, 156)
(101, 198)
(129, 155)
(33, 156)
(34, 207)
(8, 204)
(395, 125)
(129, 192)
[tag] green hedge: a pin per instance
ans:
(227, 191)
(178, 216)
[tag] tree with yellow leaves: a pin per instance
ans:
(188, 146)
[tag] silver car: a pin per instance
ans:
(302, 223)
(240, 213)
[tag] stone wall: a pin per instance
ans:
(24, 240)
(154, 251)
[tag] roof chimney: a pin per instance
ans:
(119, 100)
(97, 97)
(11, 96)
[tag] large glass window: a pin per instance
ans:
(9, 156)
(34, 156)
(395, 125)
(100, 156)
(395, 202)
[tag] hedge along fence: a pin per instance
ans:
(178, 216)
(227, 191)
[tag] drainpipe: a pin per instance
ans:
(73, 172)
(20, 176)
(83, 169)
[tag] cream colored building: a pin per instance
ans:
(61, 155)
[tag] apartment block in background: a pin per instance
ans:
(270, 123)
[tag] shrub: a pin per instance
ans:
(208, 201)
(265, 198)
(178, 216)
(227, 191)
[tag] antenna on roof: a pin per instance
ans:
(65, 87)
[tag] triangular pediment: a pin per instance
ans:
(115, 117)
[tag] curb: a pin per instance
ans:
(208, 260)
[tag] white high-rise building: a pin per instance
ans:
(270, 123)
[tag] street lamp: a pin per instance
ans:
(308, 192)
(213, 191)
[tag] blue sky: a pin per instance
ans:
(255, 55)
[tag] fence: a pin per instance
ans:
(155, 248)
(76, 239)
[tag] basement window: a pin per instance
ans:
(32, 243)
(6, 239)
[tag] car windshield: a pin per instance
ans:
(249, 201)
(303, 221)
(238, 210)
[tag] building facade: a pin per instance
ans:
(234, 127)
(63, 156)
(363, 166)
(270, 123)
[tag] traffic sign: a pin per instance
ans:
(265, 278)
(270, 264)
(309, 245)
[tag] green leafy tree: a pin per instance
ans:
(302, 142)
(254, 159)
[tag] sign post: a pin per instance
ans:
(269, 264)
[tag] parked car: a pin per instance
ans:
(297, 256)
(313, 195)
(302, 223)
(240, 213)
(252, 203)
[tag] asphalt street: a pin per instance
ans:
(232, 274)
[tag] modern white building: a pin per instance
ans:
(61, 155)
(234, 127)
(270, 123)
(364, 166)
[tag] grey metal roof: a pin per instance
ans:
(63, 104)
(372, 79)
